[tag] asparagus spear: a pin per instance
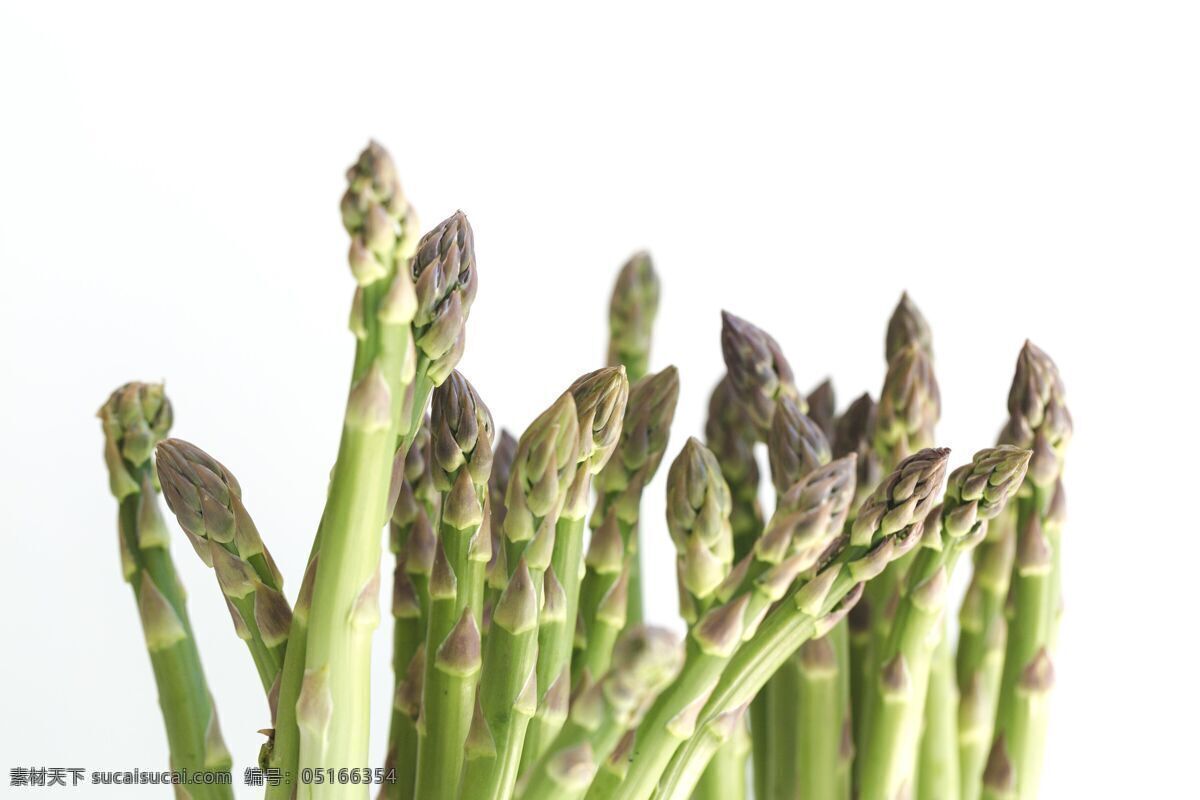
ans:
(759, 376)
(207, 500)
(417, 502)
(644, 661)
(731, 439)
(809, 518)
(977, 492)
(600, 401)
(507, 692)
(613, 554)
(802, 700)
(698, 506)
(758, 370)
(631, 316)
(822, 407)
(461, 446)
(888, 525)
(497, 569)
(410, 326)
(907, 326)
(1039, 419)
(135, 418)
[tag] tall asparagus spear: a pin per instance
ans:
(614, 555)
(417, 502)
(644, 661)
(135, 418)
(1039, 419)
(758, 370)
(888, 525)
(461, 448)
(759, 376)
(410, 326)
(977, 492)
(806, 709)
(207, 500)
(600, 400)
(631, 316)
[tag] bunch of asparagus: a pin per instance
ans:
(817, 663)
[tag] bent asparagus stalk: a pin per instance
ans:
(644, 660)
(134, 419)
(888, 525)
(977, 492)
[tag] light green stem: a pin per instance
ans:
(937, 772)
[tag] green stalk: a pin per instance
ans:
(631, 316)
(1039, 419)
(644, 661)
(447, 709)
(603, 599)
(980, 656)
(600, 402)
(645, 430)
(417, 500)
(723, 744)
(887, 526)
(807, 522)
(507, 691)
(461, 449)
(937, 769)
(797, 735)
(135, 417)
(206, 499)
(408, 323)
(977, 493)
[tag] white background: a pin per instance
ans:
(169, 184)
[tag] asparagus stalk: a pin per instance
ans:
(135, 418)
(461, 446)
(937, 766)
(698, 511)
(809, 518)
(410, 324)
(904, 420)
(822, 407)
(729, 437)
(631, 316)
(698, 507)
(644, 434)
(980, 656)
(759, 376)
(497, 569)
(600, 401)
(803, 741)
(1039, 419)
(906, 327)
(644, 661)
(507, 692)
(758, 371)
(207, 500)
(977, 492)
(417, 502)
(888, 525)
